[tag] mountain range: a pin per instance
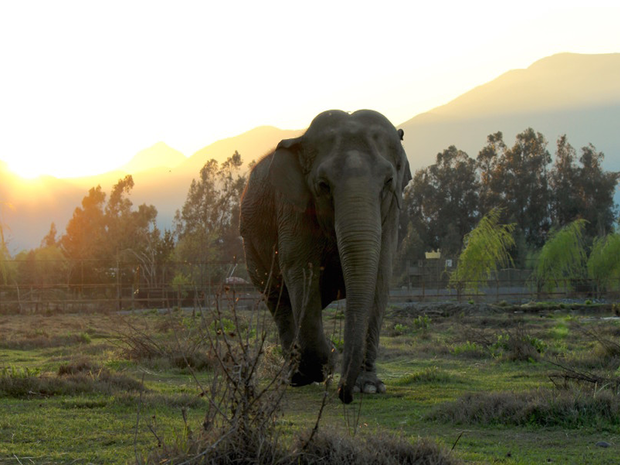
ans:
(577, 95)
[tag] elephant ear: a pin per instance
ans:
(406, 173)
(286, 175)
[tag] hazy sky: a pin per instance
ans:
(84, 85)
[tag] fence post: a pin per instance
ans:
(118, 285)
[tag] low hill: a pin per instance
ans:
(162, 177)
(156, 156)
(577, 95)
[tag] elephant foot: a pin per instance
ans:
(368, 383)
(312, 368)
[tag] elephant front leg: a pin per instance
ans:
(368, 381)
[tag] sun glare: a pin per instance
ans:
(25, 171)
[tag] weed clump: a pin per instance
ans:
(469, 350)
(544, 408)
(333, 448)
(518, 346)
(427, 375)
(70, 380)
(41, 340)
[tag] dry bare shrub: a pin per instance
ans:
(511, 344)
(80, 365)
(519, 346)
(183, 348)
(605, 352)
(240, 423)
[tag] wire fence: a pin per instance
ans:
(105, 286)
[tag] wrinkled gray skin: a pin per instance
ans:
(319, 220)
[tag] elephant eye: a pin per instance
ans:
(388, 183)
(322, 187)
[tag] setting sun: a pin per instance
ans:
(26, 171)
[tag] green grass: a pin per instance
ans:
(73, 390)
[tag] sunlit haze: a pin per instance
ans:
(85, 85)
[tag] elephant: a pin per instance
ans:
(319, 222)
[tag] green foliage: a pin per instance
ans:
(338, 343)
(222, 324)
(517, 346)
(17, 372)
(467, 348)
(181, 283)
(422, 322)
(442, 200)
(400, 328)
(486, 249)
(560, 331)
(431, 374)
(562, 259)
(604, 262)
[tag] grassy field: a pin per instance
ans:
(504, 384)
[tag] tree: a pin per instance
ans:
(604, 262)
(596, 190)
(487, 164)
(562, 260)
(522, 174)
(153, 256)
(46, 265)
(566, 205)
(206, 227)
(84, 239)
(584, 191)
(410, 249)
(85, 231)
(442, 200)
(119, 220)
(485, 249)
(50, 238)
(101, 235)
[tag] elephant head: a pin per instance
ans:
(349, 171)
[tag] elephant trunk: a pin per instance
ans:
(358, 229)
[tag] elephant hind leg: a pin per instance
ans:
(279, 305)
(265, 275)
